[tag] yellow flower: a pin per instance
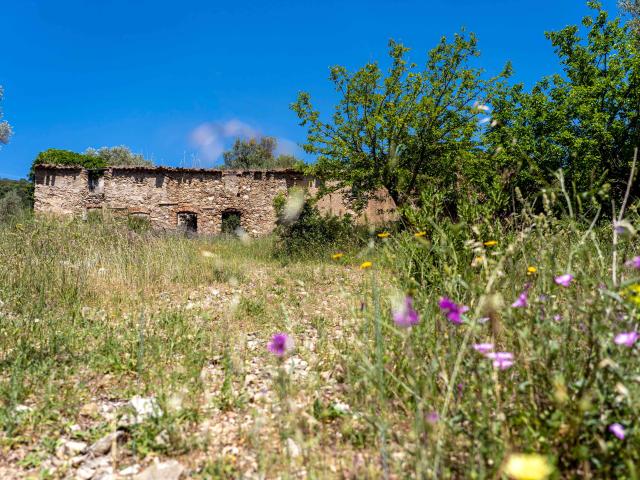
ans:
(383, 235)
(531, 270)
(365, 265)
(206, 253)
(632, 293)
(527, 466)
(420, 234)
(337, 256)
(490, 243)
(477, 261)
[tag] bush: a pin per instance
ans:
(23, 188)
(11, 206)
(92, 158)
(54, 156)
(313, 234)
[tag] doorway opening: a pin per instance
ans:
(231, 222)
(188, 222)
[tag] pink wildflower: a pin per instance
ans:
(521, 301)
(617, 430)
(626, 338)
(501, 360)
(483, 347)
(433, 417)
(280, 344)
(404, 315)
(452, 310)
(634, 263)
(564, 280)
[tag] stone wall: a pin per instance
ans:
(167, 196)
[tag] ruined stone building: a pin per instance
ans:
(197, 200)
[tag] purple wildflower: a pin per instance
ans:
(617, 430)
(452, 310)
(501, 360)
(521, 301)
(626, 338)
(280, 344)
(564, 280)
(433, 417)
(634, 263)
(620, 229)
(405, 315)
(483, 347)
(557, 317)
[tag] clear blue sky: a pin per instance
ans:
(152, 74)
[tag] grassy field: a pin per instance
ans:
(160, 345)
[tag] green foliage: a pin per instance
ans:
(569, 381)
(632, 8)
(230, 222)
(11, 205)
(54, 156)
(138, 224)
(585, 121)
(23, 188)
(118, 156)
(258, 153)
(313, 234)
(401, 131)
(92, 158)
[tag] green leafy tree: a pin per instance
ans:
(119, 156)
(5, 129)
(585, 120)
(257, 153)
(632, 7)
(403, 130)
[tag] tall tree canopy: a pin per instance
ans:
(632, 7)
(5, 128)
(585, 120)
(403, 129)
(257, 153)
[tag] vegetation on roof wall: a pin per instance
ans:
(91, 158)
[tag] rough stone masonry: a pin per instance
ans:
(189, 199)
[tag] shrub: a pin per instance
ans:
(53, 156)
(23, 188)
(11, 206)
(313, 234)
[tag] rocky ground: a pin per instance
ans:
(249, 423)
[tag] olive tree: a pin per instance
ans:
(120, 155)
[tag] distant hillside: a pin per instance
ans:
(23, 188)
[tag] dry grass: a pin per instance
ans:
(95, 314)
